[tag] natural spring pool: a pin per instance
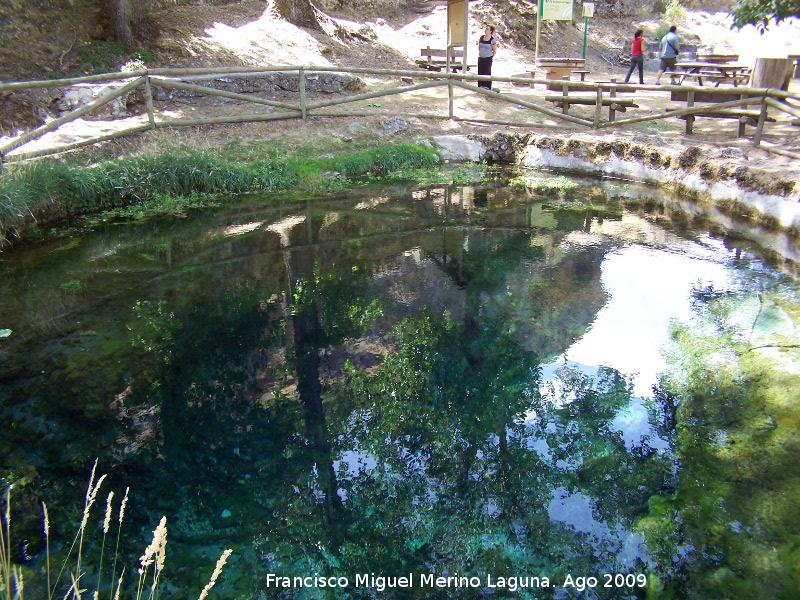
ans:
(514, 386)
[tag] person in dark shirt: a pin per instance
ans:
(487, 48)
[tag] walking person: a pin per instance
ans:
(670, 46)
(487, 48)
(637, 56)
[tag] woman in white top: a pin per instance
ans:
(487, 48)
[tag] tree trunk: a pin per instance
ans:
(298, 12)
(772, 73)
(121, 13)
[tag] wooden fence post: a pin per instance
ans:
(612, 94)
(689, 118)
(598, 107)
(148, 97)
(450, 96)
(302, 79)
(762, 117)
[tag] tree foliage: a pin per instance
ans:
(762, 13)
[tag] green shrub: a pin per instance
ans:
(674, 12)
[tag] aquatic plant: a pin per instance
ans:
(73, 285)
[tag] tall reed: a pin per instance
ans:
(151, 563)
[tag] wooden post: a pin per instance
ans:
(689, 118)
(772, 73)
(450, 96)
(613, 94)
(565, 93)
(302, 84)
(148, 97)
(598, 107)
(762, 117)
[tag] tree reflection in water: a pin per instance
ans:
(357, 387)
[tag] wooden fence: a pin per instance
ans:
(190, 80)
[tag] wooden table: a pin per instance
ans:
(717, 58)
(558, 67)
(718, 72)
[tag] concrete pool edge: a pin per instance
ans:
(713, 175)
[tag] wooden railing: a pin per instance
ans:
(190, 79)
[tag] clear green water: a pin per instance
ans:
(482, 382)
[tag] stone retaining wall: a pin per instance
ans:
(695, 172)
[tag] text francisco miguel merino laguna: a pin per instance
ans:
(381, 582)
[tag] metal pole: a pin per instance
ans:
(585, 30)
(538, 21)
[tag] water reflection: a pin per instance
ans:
(431, 380)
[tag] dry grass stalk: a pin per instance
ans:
(47, 544)
(155, 552)
(11, 576)
(217, 570)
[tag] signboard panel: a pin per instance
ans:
(588, 9)
(456, 22)
(557, 10)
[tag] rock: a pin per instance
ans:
(732, 153)
(82, 94)
(689, 157)
(458, 147)
(394, 124)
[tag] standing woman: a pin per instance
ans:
(487, 47)
(637, 56)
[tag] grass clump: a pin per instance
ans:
(172, 181)
(74, 578)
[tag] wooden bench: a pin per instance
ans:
(435, 59)
(581, 72)
(614, 104)
(743, 115)
(715, 77)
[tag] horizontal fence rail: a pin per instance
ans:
(190, 80)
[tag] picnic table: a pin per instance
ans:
(717, 58)
(559, 67)
(734, 73)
